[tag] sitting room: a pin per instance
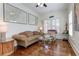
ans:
(37, 29)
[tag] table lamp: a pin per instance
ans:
(3, 30)
(40, 28)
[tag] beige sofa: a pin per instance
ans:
(26, 38)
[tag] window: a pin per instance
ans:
(51, 24)
(55, 24)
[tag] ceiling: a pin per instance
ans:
(50, 7)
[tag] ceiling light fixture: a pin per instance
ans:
(41, 5)
(51, 16)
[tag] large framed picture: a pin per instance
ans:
(14, 14)
(76, 16)
(32, 20)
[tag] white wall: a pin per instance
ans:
(74, 39)
(61, 15)
(14, 28)
(1, 11)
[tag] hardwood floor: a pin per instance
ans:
(57, 48)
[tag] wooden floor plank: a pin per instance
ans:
(57, 48)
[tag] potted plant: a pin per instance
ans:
(66, 32)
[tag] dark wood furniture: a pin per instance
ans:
(52, 32)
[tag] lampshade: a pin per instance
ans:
(3, 26)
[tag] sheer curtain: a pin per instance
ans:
(70, 24)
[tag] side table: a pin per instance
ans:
(7, 47)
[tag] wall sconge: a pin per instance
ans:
(3, 30)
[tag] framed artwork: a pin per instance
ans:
(32, 20)
(14, 14)
(76, 16)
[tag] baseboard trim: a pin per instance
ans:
(73, 47)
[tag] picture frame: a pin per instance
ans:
(14, 15)
(32, 20)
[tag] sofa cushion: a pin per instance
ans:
(34, 37)
(35, 33)
(23, 33)
(19, 37)
(29, 34)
